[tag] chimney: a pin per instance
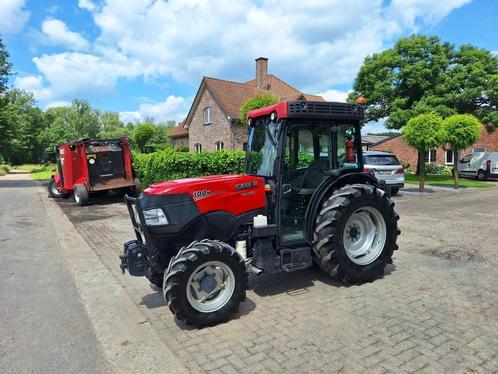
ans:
(262, 73)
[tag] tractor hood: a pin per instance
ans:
(236, 194)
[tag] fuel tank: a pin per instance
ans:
(236, 194)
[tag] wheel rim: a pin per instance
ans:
(210, 286)
(364, 235)
(54, 190)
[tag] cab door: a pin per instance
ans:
(307, 157)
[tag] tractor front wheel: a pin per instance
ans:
(81, 195)
(205, 283)
(355, 234)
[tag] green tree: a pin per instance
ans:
(421, 74)
(26, 121)
(461, 131)
(256, 102)
(112, 127)
(161, 137)
(5, 67)
(59, 128)
(84, 119)
(143, 134)
(424, 132)
(6, 129)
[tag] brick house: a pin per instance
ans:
(213, 121)
(488, 142)
(179, 135)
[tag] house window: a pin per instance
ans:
(448, 157)
(244, 146)
(220, 146)
(430, 157)
(198, 148)
(479, 149)
(207, 115)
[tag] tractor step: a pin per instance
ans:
(295, 259)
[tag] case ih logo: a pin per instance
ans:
(243, 186)
(201, 194)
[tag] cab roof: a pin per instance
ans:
(312, 110)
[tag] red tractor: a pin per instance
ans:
(87, 166)
(304, 198)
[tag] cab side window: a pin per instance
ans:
(346, 150)
(466, 159)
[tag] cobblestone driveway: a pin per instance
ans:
(432, 312)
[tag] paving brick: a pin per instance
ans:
(428, 315)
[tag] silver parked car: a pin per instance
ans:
(386, 168)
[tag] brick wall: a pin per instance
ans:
(219, 130)
(179, 141)
(408, 154)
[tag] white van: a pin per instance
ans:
(480, 165)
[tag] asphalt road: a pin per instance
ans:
(43, 323)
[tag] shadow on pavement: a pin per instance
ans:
(12, 183)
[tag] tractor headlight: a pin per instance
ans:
(155, 217)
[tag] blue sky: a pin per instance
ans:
(147, 57)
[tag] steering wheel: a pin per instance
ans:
(306, 174)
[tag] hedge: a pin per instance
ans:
(156, 167)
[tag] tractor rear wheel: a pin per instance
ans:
(81, 196)
(205, 283)
(355, 234)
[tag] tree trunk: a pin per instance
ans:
(421, 166)
(455, 167)
(417, 172)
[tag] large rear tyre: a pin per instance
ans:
(53, 191)
(205, 283)
(81, 196)
(355, 234)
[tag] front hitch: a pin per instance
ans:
(133, 258)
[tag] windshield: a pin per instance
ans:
(262, 149)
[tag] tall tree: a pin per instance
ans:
(421, 74)
(5, 71)
(112, 127)
(26, 121)
(461, 131)
(84, 119)
(5, 67)
(424, 132)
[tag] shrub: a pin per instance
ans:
(435, 169)
(156, 167)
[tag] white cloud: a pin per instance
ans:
(56, 32)
(494, 53)
(34, 84)
(334, 95)
(87, 5)
(12, 16)
(173, 108)
(318, 45)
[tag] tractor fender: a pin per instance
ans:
(327, 187)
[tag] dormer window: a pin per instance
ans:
(207, 115)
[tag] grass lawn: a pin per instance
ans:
(42, 175)
(38, 172)
(447, 181)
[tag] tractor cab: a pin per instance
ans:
(304, 198)
(295, 148)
